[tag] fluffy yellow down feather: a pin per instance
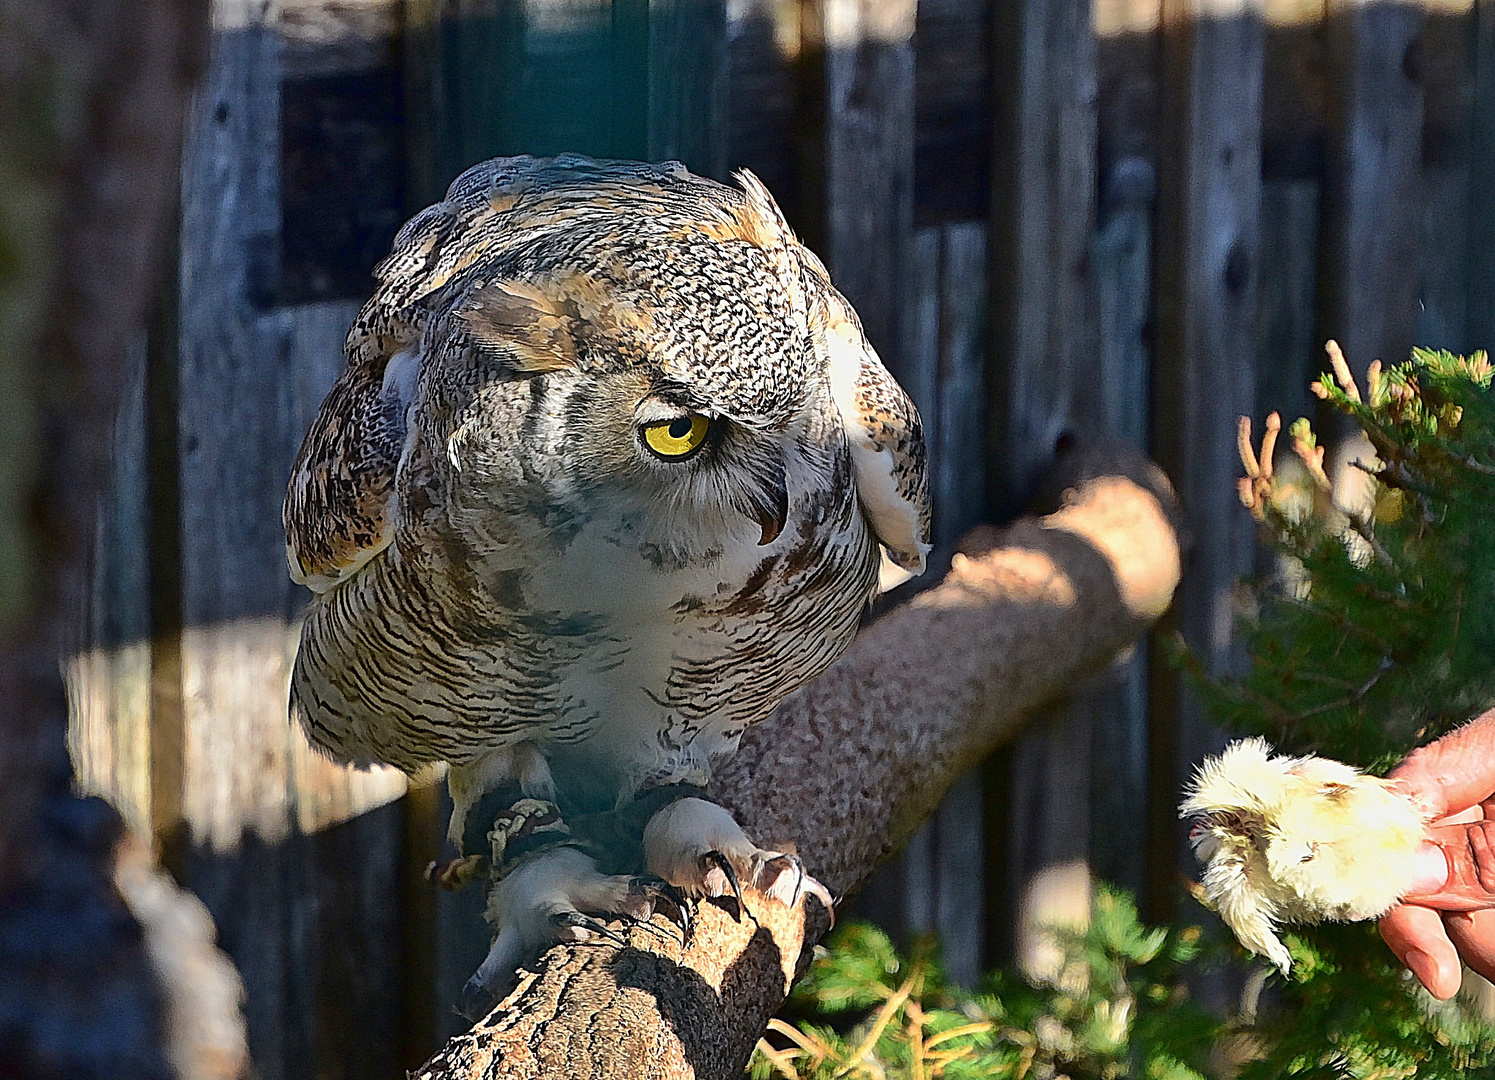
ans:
(1298, 839)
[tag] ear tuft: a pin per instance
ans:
(760, 221)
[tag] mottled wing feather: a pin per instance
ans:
(887, 439)
(337, 507)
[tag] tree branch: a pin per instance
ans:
(848, 768)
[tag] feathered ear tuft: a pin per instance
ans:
(761, 220)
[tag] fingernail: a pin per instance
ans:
(1430, 870)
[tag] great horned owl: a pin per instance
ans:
(605, 478)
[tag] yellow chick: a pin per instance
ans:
(1298, 839)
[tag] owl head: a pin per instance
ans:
(638, 345)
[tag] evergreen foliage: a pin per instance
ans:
(1374, 632)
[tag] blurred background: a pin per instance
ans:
(1060, 221)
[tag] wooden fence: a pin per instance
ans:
(1059, 219)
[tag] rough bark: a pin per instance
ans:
(92, 102)
(847, 768)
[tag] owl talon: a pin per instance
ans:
(715, 861)
(790, 868)
(551, 896)
(456, 873)
(678, 909)
(567, 921)
(698, 847)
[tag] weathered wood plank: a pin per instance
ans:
(687, 84)
(1041, 393)
(108, 671)
(1128, 54)
(903, 895)
(960, 462)
(1123, 285)
(1296, 103)
(1289, 352)
(277, 831)
(1048, 847)
(1043, 318)
(958, 459)
(1449, 41)
(1208, 266)
(1442, 293)
(952, 109)
(935, 886)
(1127, 46)
(762, 52)
(862, 61)
(1373, 195)
(1123, 281)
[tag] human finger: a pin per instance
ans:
(1454, 772)
(1473, 934)
(1420, 941)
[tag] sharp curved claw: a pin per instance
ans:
(780, 865)
(563, 919)
(804, 884)
(724, 864)
(657, 889)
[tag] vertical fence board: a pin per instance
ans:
(299, 913)
(235, 805)
(902, 896)
(1448, 78)
(1043, 216)
(1127, 54)
(960, 502)
(855, 156)
(762, 53)
(1289, 353)
(1041, 391)
(865, 57)
(108, 675)
(1118, 778)
(1442, 313)
(1373, 193)
(688, 84)
(952, 111)
(1207, 269)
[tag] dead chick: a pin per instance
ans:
(1300, 840)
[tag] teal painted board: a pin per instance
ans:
(607, 78)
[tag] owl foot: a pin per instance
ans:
(549, 897)
(468, 782)
(699, 848)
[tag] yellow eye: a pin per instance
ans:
(677, 438)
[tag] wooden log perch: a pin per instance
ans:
(847, 769)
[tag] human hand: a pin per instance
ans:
(1454, 780)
